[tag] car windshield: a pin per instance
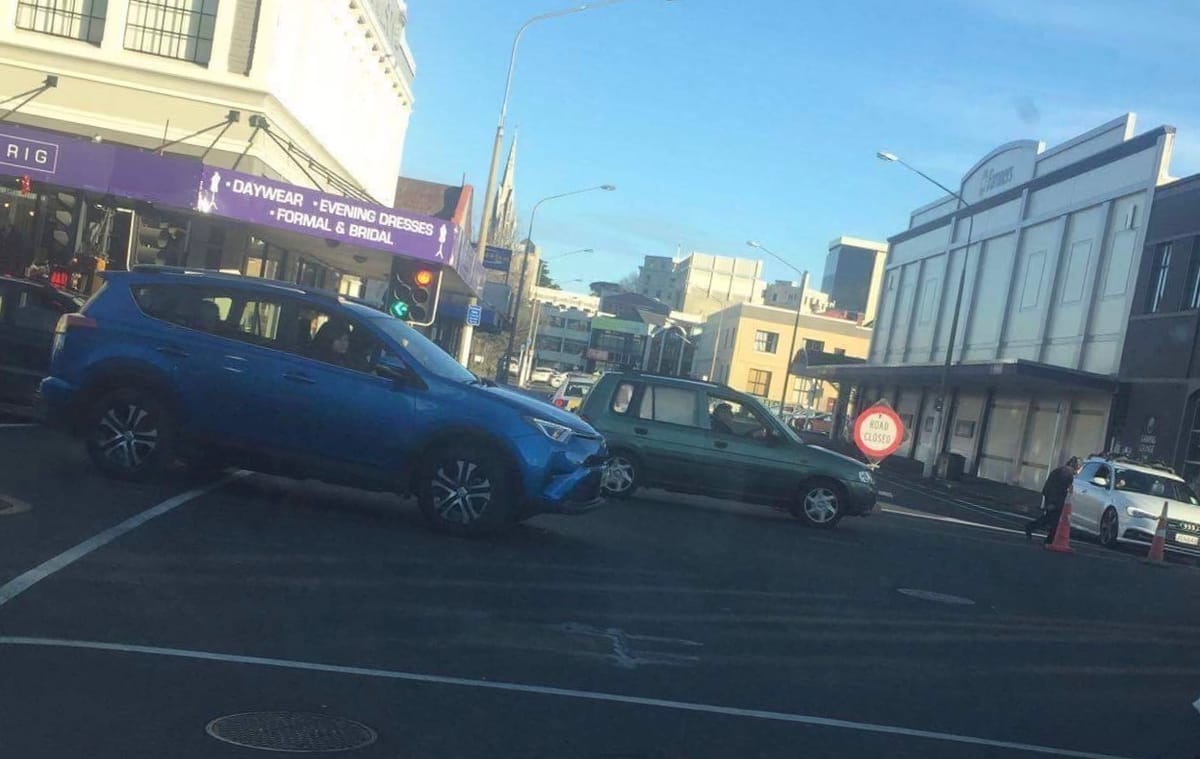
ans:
(418, 347)
(1133, 481)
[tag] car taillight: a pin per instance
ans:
(559, 402)
(67, 321)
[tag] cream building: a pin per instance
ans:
(322, 89)
(747, 346)
(1046, 253)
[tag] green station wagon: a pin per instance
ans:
(698, 437)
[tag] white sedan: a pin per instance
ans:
(541, 374)
(1120, 502)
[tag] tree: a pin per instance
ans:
(544, 279)
(629, 282)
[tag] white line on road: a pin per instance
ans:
(587, 695)
(26, 580)
(948, 520)
(8, 425)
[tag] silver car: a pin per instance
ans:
(1120, 501)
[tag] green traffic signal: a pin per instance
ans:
(399, 309)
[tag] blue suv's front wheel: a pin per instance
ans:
(466, 491)
(130, 434)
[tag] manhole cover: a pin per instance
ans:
(291, 732)
(942, 598)
(10, 506)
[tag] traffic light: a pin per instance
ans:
(413, 293)
(26, 184)
(62, 223)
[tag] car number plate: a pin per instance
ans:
(1187, 540)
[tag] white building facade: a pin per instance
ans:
(323, 89)
(1055, 240)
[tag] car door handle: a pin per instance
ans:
(720, 444)
(303, 379)
(170, 350)
(640, 431)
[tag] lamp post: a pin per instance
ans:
(502, 369)
(787, 371)
(940, 407)
(570, 253)
(489, 189)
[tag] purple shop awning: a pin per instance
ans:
(181, 183)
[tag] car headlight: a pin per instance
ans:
(1137, 513)
(559, 433)
(864, 475)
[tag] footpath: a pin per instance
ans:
(907, 473)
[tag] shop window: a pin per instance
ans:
(759, 383)
(180, 29)
(76, 19)
(766, 342)
(1158, 277)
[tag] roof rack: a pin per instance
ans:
(655, 375)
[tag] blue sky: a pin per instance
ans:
(724, 121)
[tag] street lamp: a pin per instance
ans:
(940, 406)
(502, 369)
(787, 371)
(490, 187)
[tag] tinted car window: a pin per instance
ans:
(623, 397)
(333, 339)
(1145, 483)
(736, 418)
(672, 405)
(192, 307)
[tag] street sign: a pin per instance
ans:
(496, 258)
(878, 432)
(474, 315)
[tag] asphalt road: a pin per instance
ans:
(132, 616)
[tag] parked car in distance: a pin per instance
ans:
(572, 390)
(699, 437)
(541, 375)
(29, 311)
(293, 381)
(1119, 501)
(807, 420)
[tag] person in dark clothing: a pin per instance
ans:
(1058, 486)
(721, 419)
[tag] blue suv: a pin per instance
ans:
(223, 369)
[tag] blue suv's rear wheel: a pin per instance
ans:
(130, 434)
(466, 491)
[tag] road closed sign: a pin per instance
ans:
(878, 432)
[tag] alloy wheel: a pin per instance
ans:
(618, 475)
(127, 435)
(821, 505)
(461, 493)
(1108, 528)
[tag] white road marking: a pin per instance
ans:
(26, 580)
(948, 520)
(625, 655)
(10, 425)
(1196, 704)
(961, 503)
(543, 690)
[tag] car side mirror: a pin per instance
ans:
(398, 372)
(1100, 482)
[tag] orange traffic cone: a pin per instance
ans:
(1159, 544)
(1062, 533)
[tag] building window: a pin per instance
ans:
(1193, 281)
(76, 19)
(839, 351)
(181, 29)
(814, 346)
(759, 383)
(766, 342)
(1158, 277)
